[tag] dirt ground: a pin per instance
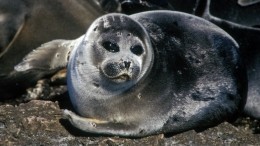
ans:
(39, 122)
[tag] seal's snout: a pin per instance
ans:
(120, 71)
(114, 69)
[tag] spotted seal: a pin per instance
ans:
(148, 73)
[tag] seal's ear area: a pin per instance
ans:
(113, 21)
(49, 56)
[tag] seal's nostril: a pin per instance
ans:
(127, 64)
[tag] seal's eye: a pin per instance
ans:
(111, 47)
(137, 50)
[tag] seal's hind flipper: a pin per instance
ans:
(50, 56)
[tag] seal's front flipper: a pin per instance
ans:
(101, 127)
(85, 124)
(50, 56)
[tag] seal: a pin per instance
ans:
(151, 72)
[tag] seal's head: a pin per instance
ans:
(121, 47)
(114, 55)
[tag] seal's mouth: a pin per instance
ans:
(121, 78)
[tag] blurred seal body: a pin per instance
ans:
(26, 24)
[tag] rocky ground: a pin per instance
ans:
(39, 122)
